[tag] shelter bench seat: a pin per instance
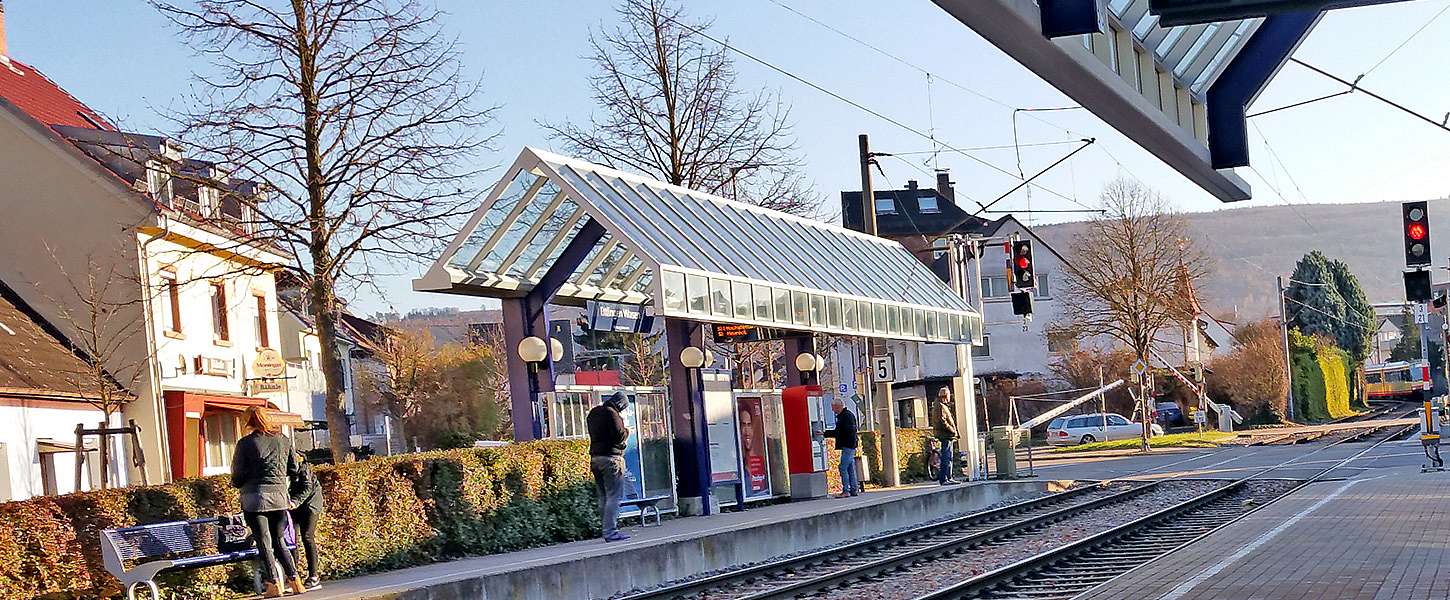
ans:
(647, 506)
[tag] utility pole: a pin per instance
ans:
(880, 390)
(1284, 338)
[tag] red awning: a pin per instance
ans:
(196, 402)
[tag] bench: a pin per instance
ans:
(645, 506)
(159, 547)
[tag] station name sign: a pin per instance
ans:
(618, 317)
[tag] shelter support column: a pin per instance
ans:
(885, 416)
(794, 347)
(964, 394)
(690, 424)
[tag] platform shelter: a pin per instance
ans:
(561, 231)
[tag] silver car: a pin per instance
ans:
(1096, 427)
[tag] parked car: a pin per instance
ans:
(1096, 427)
(1168, 415)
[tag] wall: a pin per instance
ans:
(22, 423)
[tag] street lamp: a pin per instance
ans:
(534, 350)
(692, 357)
(807, 362)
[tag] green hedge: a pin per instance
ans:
(910, 443)
(1322, 377)
(382, 514)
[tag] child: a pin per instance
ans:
(306, 495)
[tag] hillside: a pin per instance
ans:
(1251, 246)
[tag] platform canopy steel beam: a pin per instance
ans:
(1188, 12)
(1247, 75)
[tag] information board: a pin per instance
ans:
(720, 426)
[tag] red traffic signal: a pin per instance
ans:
(1021, 261)
(1417, 233)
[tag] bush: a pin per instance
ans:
(1321, 377)
(1251, 378)
(382, 514)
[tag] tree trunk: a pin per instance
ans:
(339, 432)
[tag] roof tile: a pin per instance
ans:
(45, 101)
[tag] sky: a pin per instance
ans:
(124, 60)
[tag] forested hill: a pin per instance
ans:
(1252, 245)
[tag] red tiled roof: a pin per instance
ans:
(33, 92)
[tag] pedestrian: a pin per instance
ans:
(847, 436)
(306, 495)
(607, 435)
(262, 468)
(945, 430)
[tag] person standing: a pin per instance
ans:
(307, 508)
(945, 431)
(607, 436)
(262, 469)
(847, 436)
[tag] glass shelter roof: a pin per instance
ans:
(693, 255)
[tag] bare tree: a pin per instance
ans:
(355, 118)
(98, 316)
(491, 341)
(449, 385)
(1129, 272)
(670, 107)
(642, 363)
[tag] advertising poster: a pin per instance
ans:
(633, 468)
(754, 464)
(720, 423)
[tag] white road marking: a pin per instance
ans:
(1206, 574)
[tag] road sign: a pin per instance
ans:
(1421, 312)
(1139, 368)
(883, 369)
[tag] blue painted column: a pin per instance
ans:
(687, 414)
(1245, 76)
(528, 316)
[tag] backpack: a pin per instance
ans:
(232, 534)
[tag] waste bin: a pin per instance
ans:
(1004, 446)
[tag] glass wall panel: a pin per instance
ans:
(953, 329)
(801, 306)
(615, 255)
(818, 310)
(557, 250)
(848, 314)
(782, 306)
(534, 211)
(920, 317)
(674, 290)
(882, 323)
(833, 312)
(698, 288)
(720, 297)
(933, 328)
(763, 303)
(744, 308)
(493, 219)
(553, 226)
(655, 443)
(893, 319)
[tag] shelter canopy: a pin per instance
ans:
(692, 255)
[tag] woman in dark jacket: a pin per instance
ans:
(306, 511)
(262, 468)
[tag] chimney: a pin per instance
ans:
(944, 186)
(911, 184)
(4, 52)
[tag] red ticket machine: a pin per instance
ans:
(805, 440)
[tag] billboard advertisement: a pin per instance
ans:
(754, 463)
(720, 426)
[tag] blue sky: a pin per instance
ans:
(123, 60)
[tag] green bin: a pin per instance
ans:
(1004, 446)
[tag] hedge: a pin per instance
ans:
(910, 443)
(382, 514)
(1321, 375)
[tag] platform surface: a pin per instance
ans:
(558, 571)
(1380, 533)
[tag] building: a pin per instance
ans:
(1012, 347)
(83, 198)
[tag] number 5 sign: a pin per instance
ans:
(883, 369)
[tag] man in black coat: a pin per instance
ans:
(847, 436)
(607, 435)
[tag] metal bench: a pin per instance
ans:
(648, 505)
(158, 547)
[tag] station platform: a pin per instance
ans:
(680, 548)
(1379, 535)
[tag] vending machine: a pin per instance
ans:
(805, 440)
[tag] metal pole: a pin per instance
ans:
(880, 391)
(1288, 365)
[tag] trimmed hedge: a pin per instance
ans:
(1322, 377)
(910, 443)
(382, 514)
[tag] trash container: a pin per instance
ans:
(1003, 445)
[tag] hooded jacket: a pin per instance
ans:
(607, 433)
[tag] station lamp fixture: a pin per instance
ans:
(807, 362)
(692, 357)
(533, 349)
(556, 349)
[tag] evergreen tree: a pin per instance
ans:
(1356, 329)
(1314, 305)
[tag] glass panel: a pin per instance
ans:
(632, 266)
(644, 282)
(818, 310)
(596, 278)
(782, 305)
(893, 319)
(648, 212)
(1145, 25)
(1166, 44)
(713, 227)
(833, 312)
(720, 297)
(800, 302)
(655, 443)
(558, 249)
(1195, 49)
(551, 229)
(514, 235)
(882, 323)
(932, 324)
(743, 306)
(848, 318)
(954, 327)
(493, 219)
(674, 290)
(763, 305)
(920, 318)
(699, 291)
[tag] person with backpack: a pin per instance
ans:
(607, 438)
(944, 428)
(306, 494)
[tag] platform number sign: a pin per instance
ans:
(883, 369)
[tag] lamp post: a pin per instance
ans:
(534, 350)
(808, 364)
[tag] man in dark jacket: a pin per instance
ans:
(306, 493)
(945, 430)
(847, 436)
(607, 435)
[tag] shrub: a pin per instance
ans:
(382, 514)
(1321, 378)
(1251, 378)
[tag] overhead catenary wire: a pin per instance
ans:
(1407, 40)
(1332, 316)
(1354, 85)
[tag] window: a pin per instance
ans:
(220, 430)
(1116, 420)
(1043, 289)
(885, 205)
(260, 325)
(927, 205)
(219, 311)
(170, 301)
(984, 350)
(995, 286)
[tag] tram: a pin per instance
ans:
(1398, 380)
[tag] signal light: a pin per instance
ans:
(1417, 233)
(1417, 286)
(1021, 259)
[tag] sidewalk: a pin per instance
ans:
(678, 548)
